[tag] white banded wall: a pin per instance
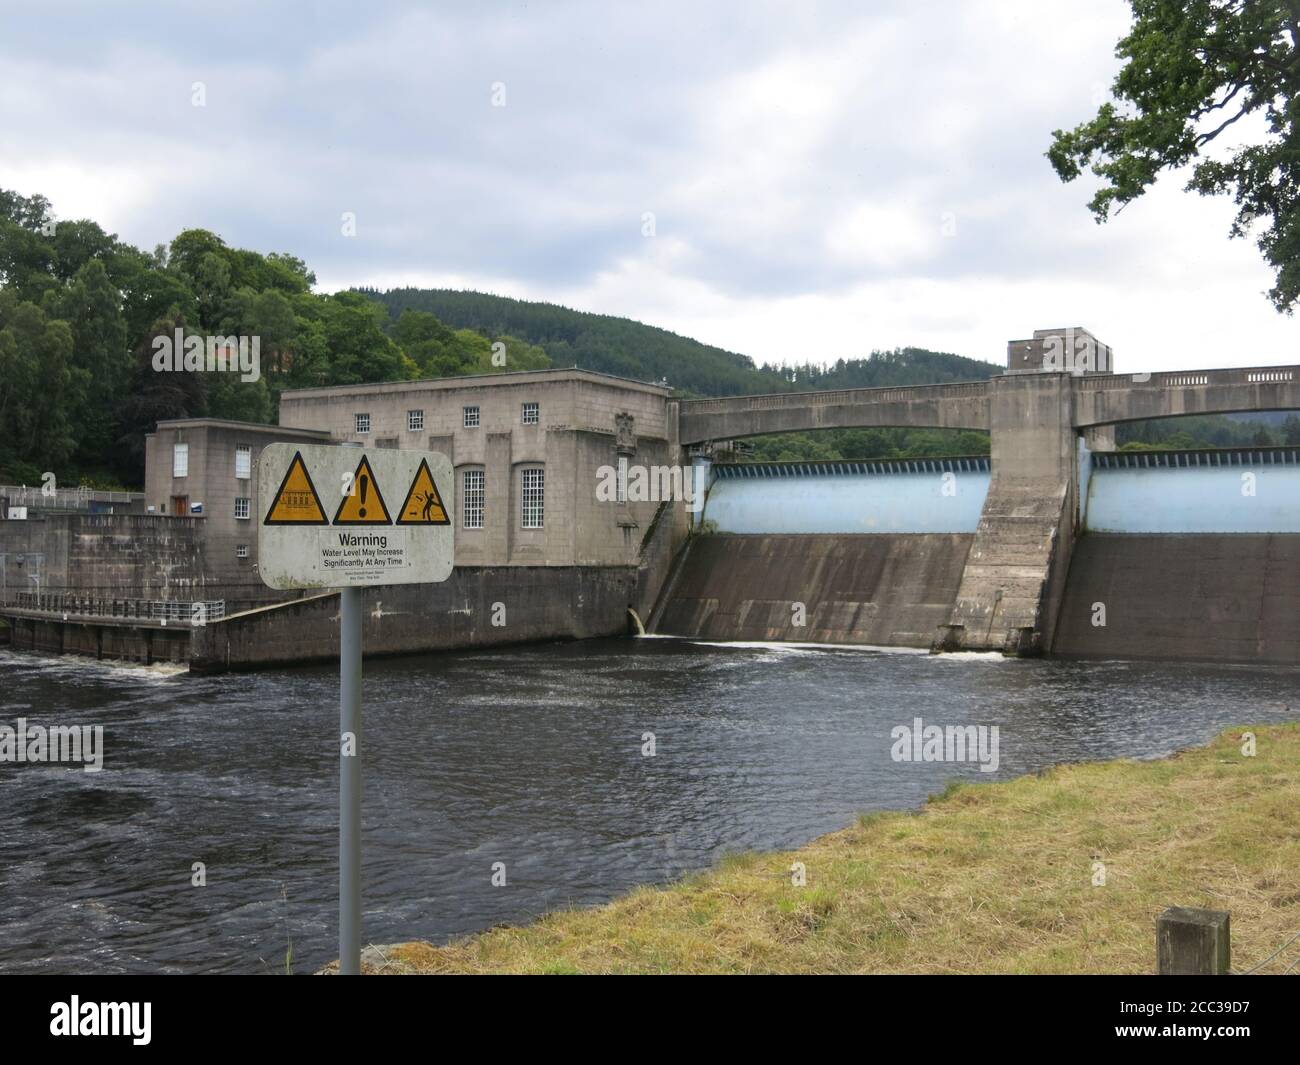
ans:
(1255, 490)
(897, 496)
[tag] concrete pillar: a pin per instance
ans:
(1014, 576)
(498, 512)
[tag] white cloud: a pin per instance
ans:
(801, 161)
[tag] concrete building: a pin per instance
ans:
(528, 449)
(1071, 349)
(204, 468)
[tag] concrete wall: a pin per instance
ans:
(764, 500)
(143, 644)
(131, 555)
(530, 603)
(885, 590)
(1192, 596)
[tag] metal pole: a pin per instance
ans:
(350, 781)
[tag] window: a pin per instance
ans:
(471, 417)
(620, 490)
(241, 550)
(532, 498)
(362, 423)
(414, 421)
(243, 462)
(472, 498)
(531, 413)
(243, 507)
(181, 460)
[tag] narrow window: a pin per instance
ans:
(471, 417)
(620, 491)
(362, 423)
(243, 462)
(181, 460)
(414, 421)
(472, 498)
(532, 414)
(243, 507)
(532, 497)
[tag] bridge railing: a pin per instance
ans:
(796, 400)
(1191, 378)
(73, 603)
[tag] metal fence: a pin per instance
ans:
(70, 603)
(80, 498)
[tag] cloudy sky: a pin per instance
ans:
(824, 179)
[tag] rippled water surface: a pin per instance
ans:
(529, 756)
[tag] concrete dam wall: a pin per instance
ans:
(1229, 597)
(891, 590)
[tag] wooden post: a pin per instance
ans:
(1192, 942)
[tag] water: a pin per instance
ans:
(530, 756)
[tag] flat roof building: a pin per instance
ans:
(529, 450)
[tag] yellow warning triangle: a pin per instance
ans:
(365, 506)
(296, 502)
(423, 504)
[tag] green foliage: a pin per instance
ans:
(1206, 430)
(79, 312)
(857, 444)
(1192, 70)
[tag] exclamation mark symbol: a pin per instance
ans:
(365, 484)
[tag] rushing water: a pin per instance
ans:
(528, 756)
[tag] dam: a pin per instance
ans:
(1177, 554)
(1053, 543)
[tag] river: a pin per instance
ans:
(534, 757)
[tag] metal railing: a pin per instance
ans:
(1254, 375)
(79, 498)
(1196, 458)
(852, 467)
(73, 603)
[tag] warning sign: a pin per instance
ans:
(423, 504)
(296, 501)
(364, 505)
(364, 545)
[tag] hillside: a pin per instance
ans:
(644, 352)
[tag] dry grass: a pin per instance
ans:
(993, 878)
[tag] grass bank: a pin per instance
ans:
(987, 878)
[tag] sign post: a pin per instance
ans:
(365, 543)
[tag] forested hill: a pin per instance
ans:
(644, 352)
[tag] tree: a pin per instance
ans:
(1193, 69)
(92, 306)
(156, 396)
(41, 390)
